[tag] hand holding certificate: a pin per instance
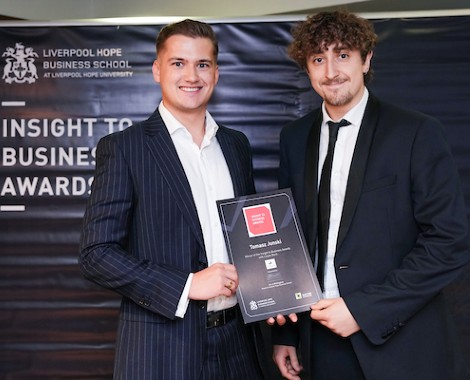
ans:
(266, 244)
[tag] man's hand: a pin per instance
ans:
(217, 280)
(286, 360)
(281, 320)
(335, 315)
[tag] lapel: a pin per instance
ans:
(311, 176)
(358, 166)
(232, 159)
(163, 150)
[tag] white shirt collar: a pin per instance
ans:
(173, 125)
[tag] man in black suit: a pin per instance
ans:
(387, 227)
(152, 231)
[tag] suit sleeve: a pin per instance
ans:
(440, 249)
(104, 257)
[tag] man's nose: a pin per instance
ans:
(190, 73)
(331, 70)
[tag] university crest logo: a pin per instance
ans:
(20, 67)
(253, 305)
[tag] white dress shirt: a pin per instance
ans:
(209, 177)
(342, 158)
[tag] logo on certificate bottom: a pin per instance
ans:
(270, 263)
(259, 220)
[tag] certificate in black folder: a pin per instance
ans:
(266, 244)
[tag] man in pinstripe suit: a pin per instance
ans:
(152, 233)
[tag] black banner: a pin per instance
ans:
(64, 87)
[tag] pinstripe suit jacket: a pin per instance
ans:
(142, 238)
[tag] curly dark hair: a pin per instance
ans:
(188, 28)
(321, 30)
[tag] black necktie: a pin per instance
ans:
(324, 206)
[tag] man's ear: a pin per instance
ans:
(156, 71)
(216, 74)
(366, 66)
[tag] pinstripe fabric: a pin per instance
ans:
(141, 238)
(236, 362)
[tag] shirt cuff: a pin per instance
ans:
(184, 300)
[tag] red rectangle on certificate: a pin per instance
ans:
(259, 220)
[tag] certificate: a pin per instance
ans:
(266, 244)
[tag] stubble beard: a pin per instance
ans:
(337, 99)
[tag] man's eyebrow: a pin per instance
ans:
(341, 47)
(176, 58)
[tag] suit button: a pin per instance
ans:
(144, 302)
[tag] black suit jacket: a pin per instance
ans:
(142, 238)
(403, 237)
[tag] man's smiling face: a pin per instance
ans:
(187, 71)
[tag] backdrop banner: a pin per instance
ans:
(62, 88)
